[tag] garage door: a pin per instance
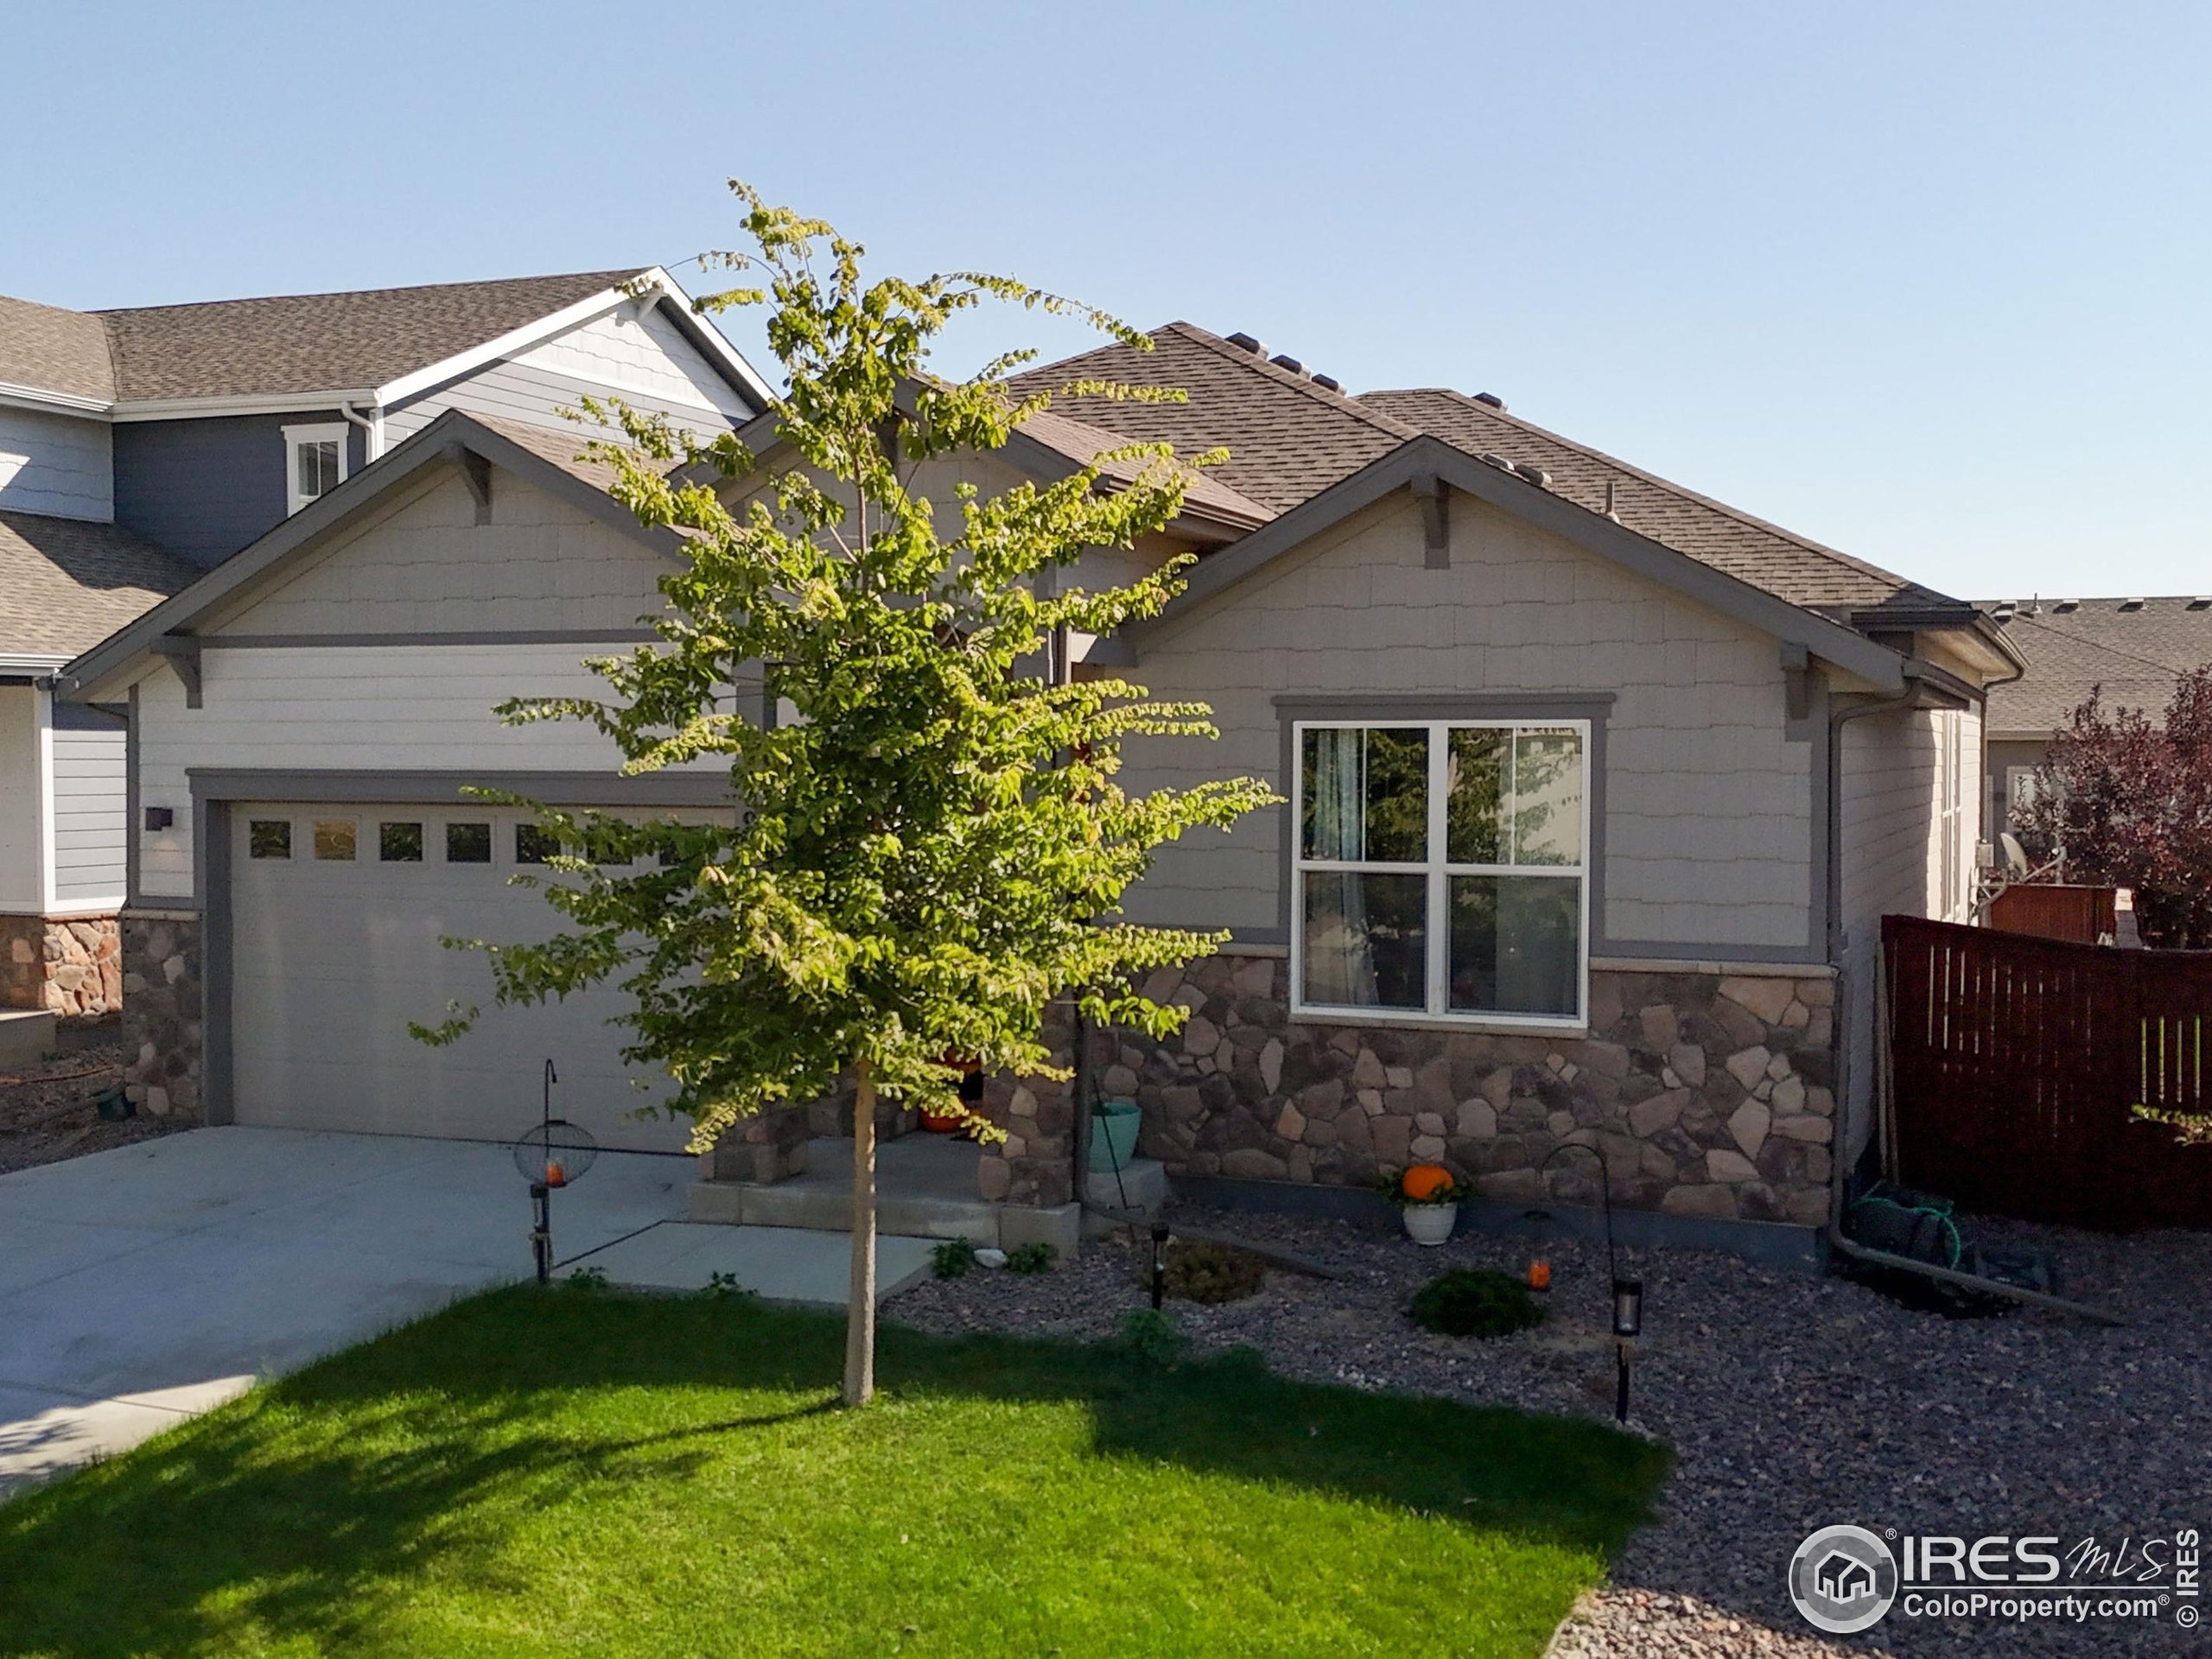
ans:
(336, 916)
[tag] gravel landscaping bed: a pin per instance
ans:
(46, 1114)
(1793, 1402)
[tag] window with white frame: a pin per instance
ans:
(1952, 859)
(315, 462)
(2019, 795)
(1440, 869)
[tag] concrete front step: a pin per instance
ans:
(26, 1036)
(926, 1188)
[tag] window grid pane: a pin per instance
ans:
(468, 843)
(1491, 916)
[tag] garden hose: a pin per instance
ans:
(1918, 1217)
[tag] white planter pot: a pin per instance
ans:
(1430, 1223)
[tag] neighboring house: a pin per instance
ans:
(139, 448)
(2132, 650)
(1597, 789)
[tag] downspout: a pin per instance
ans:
(1841, 1244)
(371, 425)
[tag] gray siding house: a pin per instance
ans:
(140, 448)
(1596, 790)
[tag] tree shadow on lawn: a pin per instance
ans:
(311, 1509)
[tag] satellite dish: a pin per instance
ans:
(2016, 857)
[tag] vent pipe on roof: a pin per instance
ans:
(1249, 344)
(1612, 484)
(1492, 399)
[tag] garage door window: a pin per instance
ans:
(269, 838)
(468, 843)
(335, 839)
(533, 845)
(399, 843)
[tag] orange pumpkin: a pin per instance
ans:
(1424, 1181)
(1540, 1275)
(555, 1176)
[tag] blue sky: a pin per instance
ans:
(1928, 282)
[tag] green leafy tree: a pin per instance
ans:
(932, 844)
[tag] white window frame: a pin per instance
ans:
(2018, 800)
(1438, 871)
(1949, 819)
(294, 438)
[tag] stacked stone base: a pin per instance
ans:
(1702, 1095)
(164, 1039)
(70, 968)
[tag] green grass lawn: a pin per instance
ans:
(572, 1472)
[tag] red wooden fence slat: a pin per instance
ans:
(2015, 1063)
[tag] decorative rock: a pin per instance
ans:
(1271, 1064)
(990, 1256)
(1767, 998)
(1819, 1103)
(1429, 1122)
(1398, 1076)
(1748, 1124)
(1748, 1065)
(1200, 1035)
(1687, 1061)
(1497, 1088)
(1795, 1017)
(1371, 1102)
(1368, 1073)
(1426, 1148)
(1251, 1164)
(1661, 1029)
(1648, 1117)
(1788, 1097)
(1477, 1118)
(1778, 1067)
(1723, 1165)
(1817, 1130)
(1291, 1125)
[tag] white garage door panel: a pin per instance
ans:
(331, 958)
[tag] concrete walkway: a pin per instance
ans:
(142, 1285)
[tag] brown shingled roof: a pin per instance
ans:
(1287, 438)
(1083, 444)
(66, 584)
(324, 342)
(52, 350)
(1789, 566)
(2132, 654)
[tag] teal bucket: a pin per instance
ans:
(1114, 1135)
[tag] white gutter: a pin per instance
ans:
(371, 425)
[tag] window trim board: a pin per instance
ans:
(311, 432)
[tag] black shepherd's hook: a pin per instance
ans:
(1604, 1189)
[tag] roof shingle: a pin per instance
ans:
(2133, 655)
(48, 349)
(66, 584)
(1752, 550)
(324, 342)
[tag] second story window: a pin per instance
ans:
(314, 459)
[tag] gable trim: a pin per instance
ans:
(1594, 533)
(331, 515)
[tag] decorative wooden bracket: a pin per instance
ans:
(183, 652)
(1796, 681)
(1435, 519)
(476, 473)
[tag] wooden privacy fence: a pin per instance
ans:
(2016, 1064)
(2048, 910)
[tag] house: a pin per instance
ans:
(1597, 789)
(2132, 650)
(140, 448)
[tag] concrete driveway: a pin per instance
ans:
(142, 1285)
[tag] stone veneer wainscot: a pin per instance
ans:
(163, 1037)
(1707, 1094)
(70, 967)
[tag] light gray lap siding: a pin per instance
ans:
(517, 392)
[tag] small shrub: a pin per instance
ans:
(1032, 1258)
(586, 1279)
(722, 1286)
(1203, 1271)
(1152, 1336)
(952, 1259)
(1475, 1302)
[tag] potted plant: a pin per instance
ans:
(1427, 1195)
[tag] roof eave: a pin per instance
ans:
(1832, 641)
(106, 667)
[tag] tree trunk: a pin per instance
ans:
(860, 1313)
